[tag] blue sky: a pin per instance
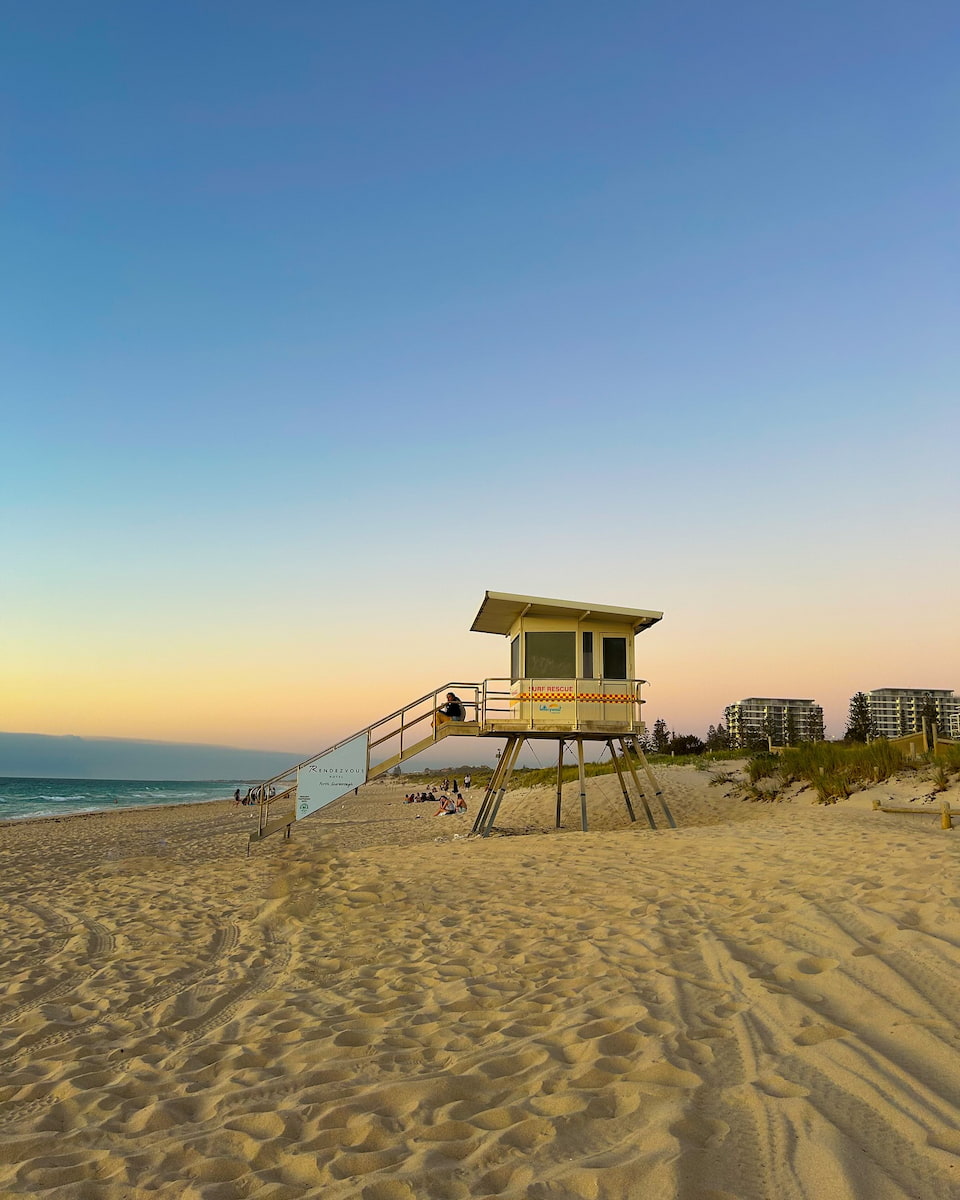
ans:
(318, 320)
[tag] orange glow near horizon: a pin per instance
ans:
(271, 695)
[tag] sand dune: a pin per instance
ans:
(759, 1004)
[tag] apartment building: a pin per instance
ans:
(783, 720)
(896, 711)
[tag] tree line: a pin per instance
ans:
(860, 728)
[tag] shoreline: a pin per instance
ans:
(113, 810)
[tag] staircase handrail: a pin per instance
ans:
(445, 687)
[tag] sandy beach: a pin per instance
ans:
(760, 1004)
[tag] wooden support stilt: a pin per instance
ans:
(489, 792)
(511, 754)
(492, 785)
(559, 781)
(636, 783)
(657, 790)
(583, 786)
(623, 782)
(946, 820)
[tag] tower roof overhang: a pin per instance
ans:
(500, 611)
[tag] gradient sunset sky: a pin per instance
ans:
(319, 319)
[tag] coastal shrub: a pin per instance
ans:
(885, 759)
(941, 778)
(832, 787)
(762, 765)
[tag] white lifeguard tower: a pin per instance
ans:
(572, 680)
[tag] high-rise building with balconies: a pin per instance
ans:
(897, 711)
(782, 720)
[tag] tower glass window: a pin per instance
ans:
(551, 655)
(515, 659)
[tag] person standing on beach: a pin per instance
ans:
(236, 796)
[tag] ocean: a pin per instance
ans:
(59, 797)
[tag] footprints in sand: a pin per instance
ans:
(816, 966)
(813, 1035)
(702, 1132)
(779, 1088)
(674, 1029)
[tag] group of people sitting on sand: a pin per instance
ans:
(449, 805)
(254, 795)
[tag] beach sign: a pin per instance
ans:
(332, 775)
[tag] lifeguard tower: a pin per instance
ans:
(572, 680)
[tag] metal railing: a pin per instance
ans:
(545, 703)
(395, 726)
(409, 718)
(520, 704)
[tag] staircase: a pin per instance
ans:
(363, 756)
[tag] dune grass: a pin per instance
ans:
(833, 769)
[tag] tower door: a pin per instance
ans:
(614, 658)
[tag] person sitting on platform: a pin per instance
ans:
(452, 710)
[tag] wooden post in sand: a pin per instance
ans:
(946, 812)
